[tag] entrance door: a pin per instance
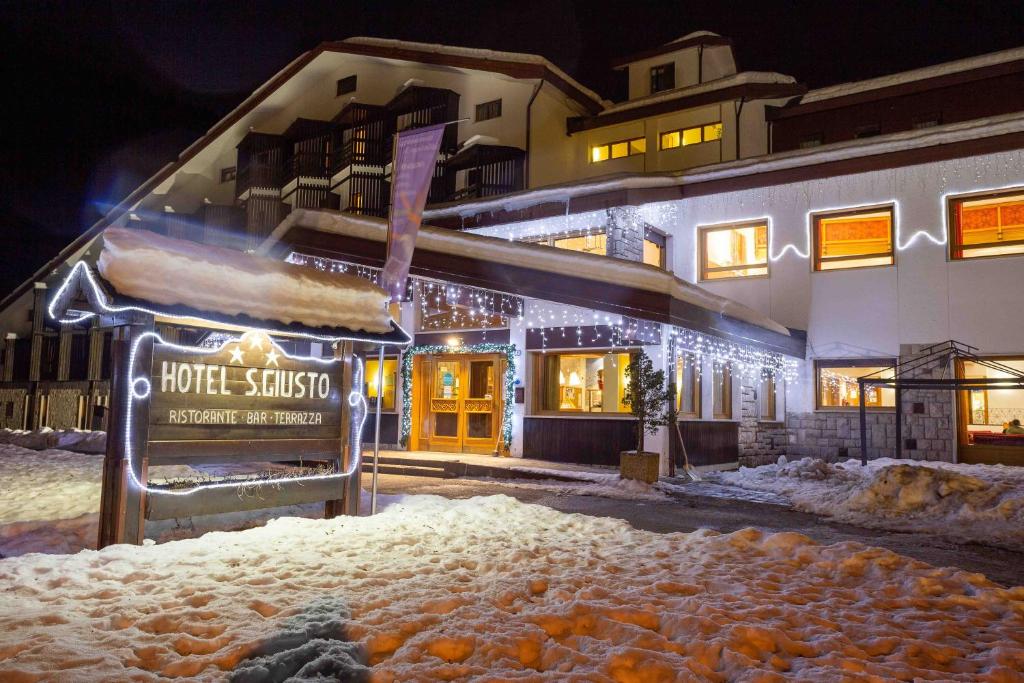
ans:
(459, 403)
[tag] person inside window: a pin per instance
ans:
(1014, 427)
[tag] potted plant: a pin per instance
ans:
(648, 400)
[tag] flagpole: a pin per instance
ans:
(376, 431)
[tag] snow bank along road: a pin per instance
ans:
(435, 589)
(970, 503)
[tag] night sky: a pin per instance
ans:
(102, 94)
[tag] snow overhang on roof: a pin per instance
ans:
(176, 280)
(611, 285)
(694, 39)
(749, 85)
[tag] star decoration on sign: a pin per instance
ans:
(272, 358)
(236, 355)
(256, 342)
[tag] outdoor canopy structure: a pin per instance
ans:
(201, 376)
(906, 376)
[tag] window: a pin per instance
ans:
(721, 391)
(815, 140)
(991, 410)
(591, 382)
(390, 379)
(868, 131)
(767, 398)
(618, 150)
(734, 251)
(588, 243)
(488, 110)
(691, 136)
(838, 388)
(927, 121)
(346, 85)
(663, 77)
(228, 174)
(356, 202)
(987, 225)
(654, 249)
(688, 385)
(853, 239)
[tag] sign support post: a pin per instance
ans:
(376, 431)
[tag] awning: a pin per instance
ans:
(591, 281)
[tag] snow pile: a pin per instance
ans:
(609, 485)
(145, 265)
(490, 588)
(78, 440)
(978, 503)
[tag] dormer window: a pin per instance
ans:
(663, 77)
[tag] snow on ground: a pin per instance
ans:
(493, 589)
(77, 440)
(976, 503)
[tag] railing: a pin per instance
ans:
(361, 152)
(479, 190)
(257, 175)
(308, 165)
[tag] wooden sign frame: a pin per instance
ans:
(127, 497)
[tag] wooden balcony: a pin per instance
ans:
(490, 170)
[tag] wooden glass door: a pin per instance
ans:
(458, 403)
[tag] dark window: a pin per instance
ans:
(346, 85)
(868, 131)
(488, 110)
(928, 121)
(812, 141)
(663, 77)
(227, 174)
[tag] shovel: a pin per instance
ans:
(690, 471)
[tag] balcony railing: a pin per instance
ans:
(257, 175)
(362, 153)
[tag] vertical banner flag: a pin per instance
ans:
(412, 171)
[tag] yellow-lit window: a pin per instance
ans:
(371, 388)
(590, 244)
(853, 240)
(734, 251)
(767, 398)
(691, 136)
(592, 382)
(721, 392)
(838, 387)
(992, 225)
(654, 254)
(618, 150)
(688, 385)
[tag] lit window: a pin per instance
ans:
(593, 382)
(595, 243)
(691, 136)
(767, 398)
(722, 392)
(390, 377)
(734, 251)
(838, 388)
(356, 202)
(990, 411)
(618, 150)
(688, 385)
(654, 249)
(856, 239)
(991, 225)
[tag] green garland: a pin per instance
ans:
(510, 381)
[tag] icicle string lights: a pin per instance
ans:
(743, 360)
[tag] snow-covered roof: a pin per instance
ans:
(695, 34)
(144, 265)
(475, 53)
(921, 74)
(743, 78)
(533, 256)
(882, 144)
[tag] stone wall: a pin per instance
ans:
(761, 442)
(12, 401)
(929, 424)
(625, 234)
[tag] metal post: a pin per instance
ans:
(376, 431)
(863, 426)
(899, 421)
